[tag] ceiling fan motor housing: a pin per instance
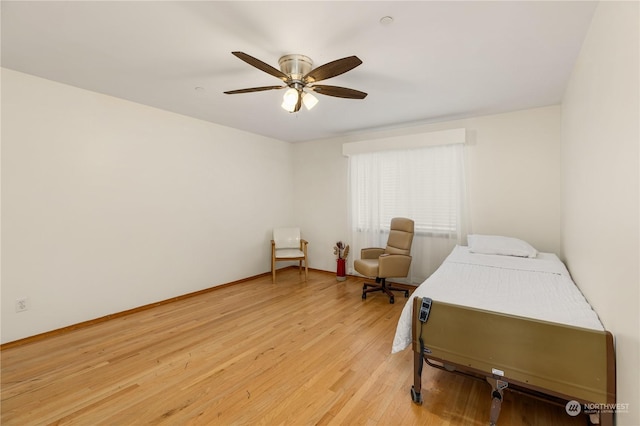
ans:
(296, 66)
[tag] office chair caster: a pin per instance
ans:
(416, 396)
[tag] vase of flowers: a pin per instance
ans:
(341, 251)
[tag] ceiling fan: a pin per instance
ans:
(298, 76)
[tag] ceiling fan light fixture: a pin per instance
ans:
(288, 108)
(290, 99)
(309, 100)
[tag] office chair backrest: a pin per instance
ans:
(400, 236)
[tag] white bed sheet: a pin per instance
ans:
(539, 288)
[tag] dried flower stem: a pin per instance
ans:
(341, 250)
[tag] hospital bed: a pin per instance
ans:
(517, 321)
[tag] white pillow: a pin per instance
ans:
(495, 244)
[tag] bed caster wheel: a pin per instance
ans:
(391, 300)
(364, 296)
(416, 397)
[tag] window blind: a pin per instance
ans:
(424, 184)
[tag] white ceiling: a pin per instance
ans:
(437, 61)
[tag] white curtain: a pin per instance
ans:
(423, 184)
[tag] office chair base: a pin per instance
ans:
(381, 285)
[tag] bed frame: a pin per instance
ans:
(546, 360)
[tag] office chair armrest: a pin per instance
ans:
(393, 265)
(371, 253)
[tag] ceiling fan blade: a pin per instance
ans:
(332, 69)
(254, 89)
(261, 65)
(338, 92)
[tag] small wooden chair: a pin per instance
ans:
(287, 245)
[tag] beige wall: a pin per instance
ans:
(513, 164)
(109, 205)
(600, 159)
(321, 203)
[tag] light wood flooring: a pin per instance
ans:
(254, 353)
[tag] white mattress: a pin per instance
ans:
(539, 288)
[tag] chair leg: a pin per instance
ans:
(406, 292)
(386, 291)
(374, 286)
(381, 285)
(273, 270)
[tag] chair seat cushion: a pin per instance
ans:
(289, 253)
(367, 267)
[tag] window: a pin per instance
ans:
(424, 184)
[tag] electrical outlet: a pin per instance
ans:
(22, 304)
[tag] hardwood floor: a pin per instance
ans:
(255, 353)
